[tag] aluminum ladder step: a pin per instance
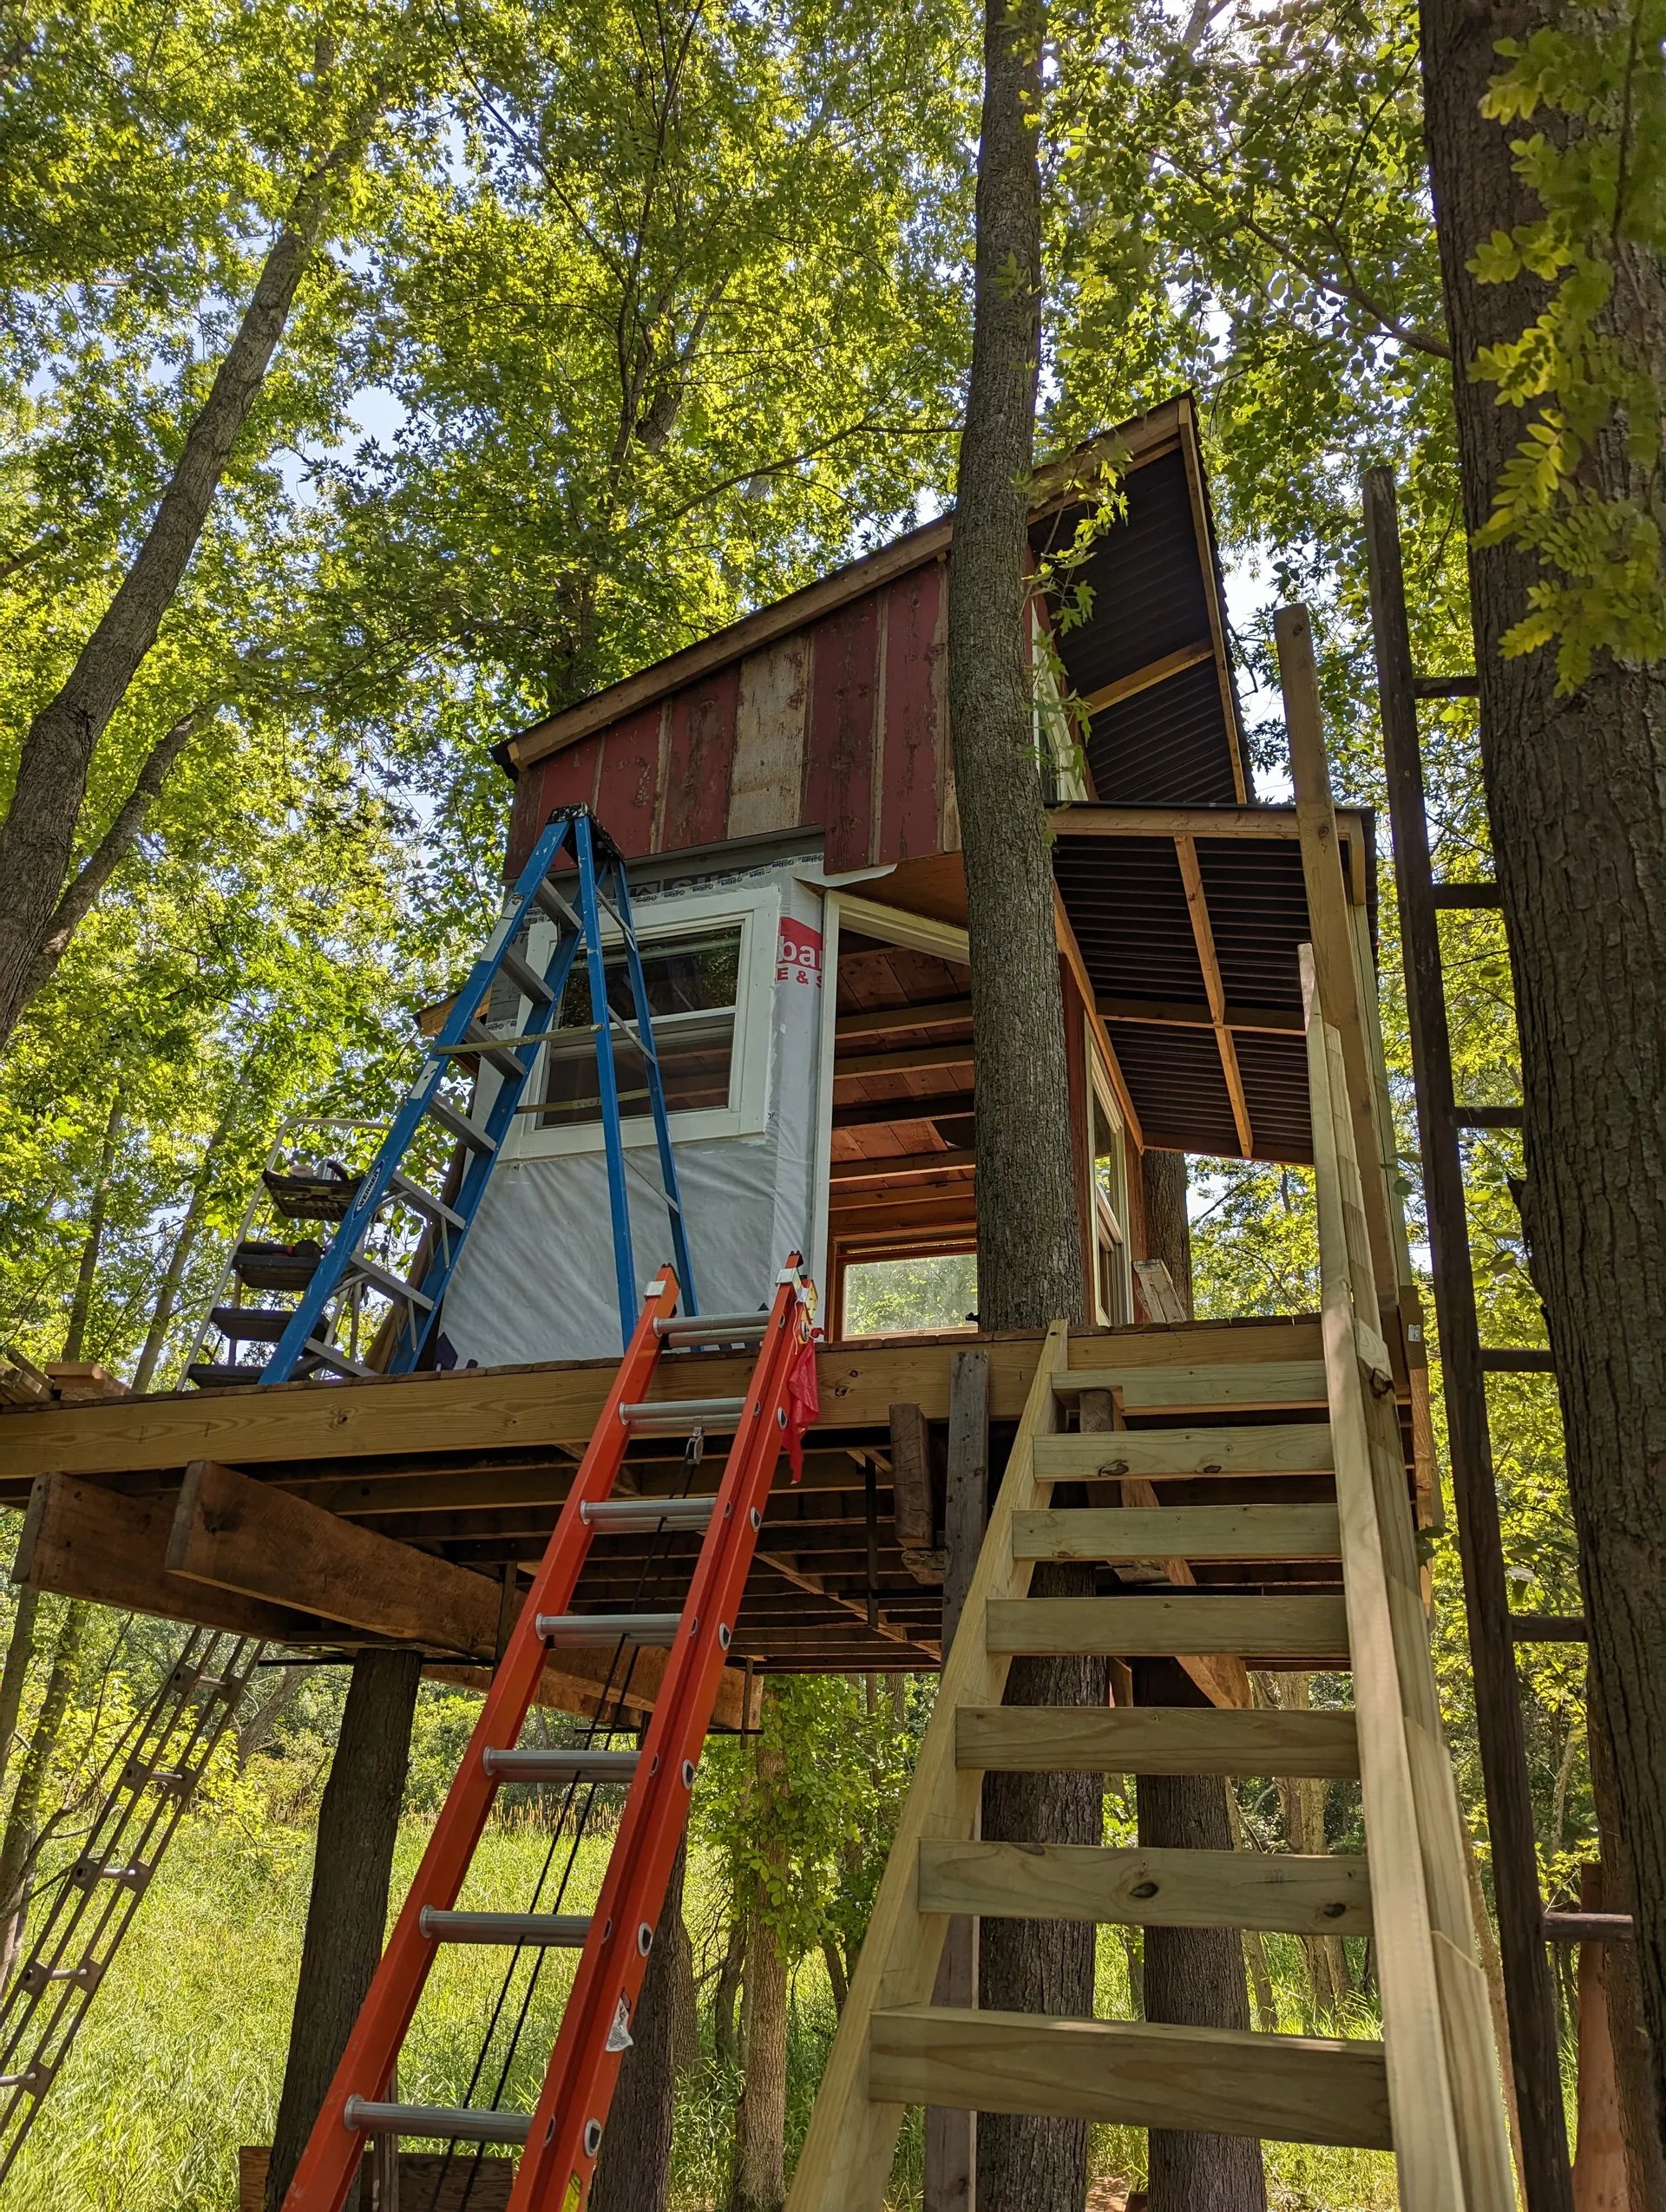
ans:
(596, 1630)
(478, 1042)
(580, 1764)
(423, 1201)
(526, 979)
(614, 1516)
(546, 1931)
(221, 1375)
(453, 1118)
(450, 2122)
(384, 1280)
(684, 1413)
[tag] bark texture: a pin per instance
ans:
(20, 1650)
(1168, 1225)
(1194, 1976)
(347, 1912)
(1025, 2164)
(760, 2179)
(1029, 1248)
(38, 835)
(633, 2171)
(1577, 793)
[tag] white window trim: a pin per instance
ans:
(892, 925)
(1102, 1089)
(747, 1112)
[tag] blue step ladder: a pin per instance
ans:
(305, 1336)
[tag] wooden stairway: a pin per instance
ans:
(1430, 2091)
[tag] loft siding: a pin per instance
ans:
(841, 726)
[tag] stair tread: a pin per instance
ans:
(1244, 1740)
(1274, 1448)
(1151, 1390)
(1213, 1532)
(1134, 2073)
(1302, 1625)
(1280, 1891)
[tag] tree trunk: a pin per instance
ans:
(23, 1818)
(20, 1649)
(837, 1979)
(760, 2181)
(633, 2170)
(728, 1991)
(87, 1273)
(1577, 795)
(167, 1294)
(347, 1912)
(37, 837)
(1168, 1225)
(685, 2000)
(1194, 1976)
(256, 1731)
(110, 851)
(1029, 1245)
(1026, 2163)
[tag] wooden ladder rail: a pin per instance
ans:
(1445, 2087)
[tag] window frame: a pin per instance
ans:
(757, 911)
(1102, 1098)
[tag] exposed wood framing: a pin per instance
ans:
(1203, 938)
(1272, 1021)
(1154, 672)
(877, 1021)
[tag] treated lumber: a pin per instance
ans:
(1304, 1625)
(1177, 1390)
(1224, 2081)
(846, 1173)
(1203, 939)
(263, 1542)
(906, 1060)
(1311, 1894)
(1148, 677)
(878, 1021)
(1029, 1739)
(1280, 1447)
(84, 1542)
(1224, 1532)
(911, 1507)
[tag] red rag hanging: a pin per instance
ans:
(803, 1402)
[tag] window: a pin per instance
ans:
(708, 965)
(692, 983)
(1107, 1166)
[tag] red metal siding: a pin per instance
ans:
(909, 776)
(628, 786)
(839, 765)
(702, 754)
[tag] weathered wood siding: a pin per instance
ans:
(840, 727)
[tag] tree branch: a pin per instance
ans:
(111, 849)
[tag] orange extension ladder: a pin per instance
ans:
(564, 2135)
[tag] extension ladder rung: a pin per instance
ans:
(1037, 1739)
(477, 1043)
(1280, 1891)
(1304, 1625)
(85, 1872)
(450, 2122)
(611, 1516)
(1132, 2073)
(683, 1413)
(596, 1630)
(578, 1765)
(36, 1975)
(551, 1931)
(1209, 1532)
(702, 1328)
(453, 1118)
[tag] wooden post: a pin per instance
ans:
(1332, 930)
(1600, 2174)
(951, 2137)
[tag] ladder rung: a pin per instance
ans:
(1459, 895)
(450, 2122)
(699, 1328)
(423, 1201)
(1303, 1625)
(1179, 1531)
(1092, 1740)
(30, 2079)
(327, 1355)
(526, 980)
(578, 1765)
(36, 1976)
(1517, 1359)
(470, 1133)
(1489, 1117)
(384, 1280)
(1280, 1891)
(555, 907)
(1226, 2081)
(1548, 1628)
(683, 1413)
(609, 1516)
(547, 1931)
(595, 1630)
(85, 1872)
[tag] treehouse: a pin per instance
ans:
(1243, 1491)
